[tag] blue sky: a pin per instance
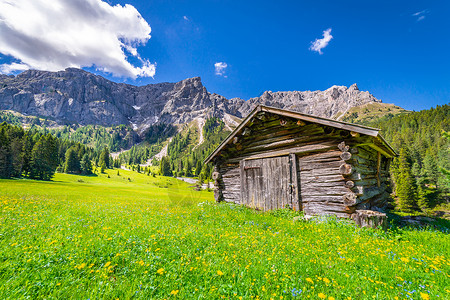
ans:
(397, 50)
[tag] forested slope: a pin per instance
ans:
(423, 150)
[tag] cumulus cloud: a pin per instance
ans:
(54, 35)
(319, 44)
(220, 68)
(420, 15)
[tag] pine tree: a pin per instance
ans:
(422, 199)
(86, 165)
(6, 167)
(430, 168)
(198, 168)
(44, 158)
(27, 148)
(188, 168)
(104, 158)
(405, 183)
(72, 162)
(165, 167)
(17, 156)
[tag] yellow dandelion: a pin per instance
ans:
(174, 292)
(424, 296)
(220, 273)
(331, 298)
(160, 271)
(322, 295)
(309, 280)
(326, 280)
(107, 264)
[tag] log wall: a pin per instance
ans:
(336, 172)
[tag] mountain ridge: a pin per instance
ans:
(75, 96)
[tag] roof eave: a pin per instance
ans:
(374, 132)
(232, 134)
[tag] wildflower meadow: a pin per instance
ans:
(143, 237)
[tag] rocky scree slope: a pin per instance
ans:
(74, 96)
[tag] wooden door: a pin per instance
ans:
(269, 183)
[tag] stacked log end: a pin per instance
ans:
(370, 218)
(368, 185)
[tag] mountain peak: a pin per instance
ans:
(354, 87)
(77, 96)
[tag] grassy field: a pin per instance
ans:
(155, 238)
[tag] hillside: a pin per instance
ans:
(371, 112)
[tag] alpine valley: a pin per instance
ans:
(170, 128)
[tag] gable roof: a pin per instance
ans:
(383, 146)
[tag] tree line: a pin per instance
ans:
(418, 172)
(37, 155)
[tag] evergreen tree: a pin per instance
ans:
(405, 184)
(72, 162)
(198, 168)
(165, 167)
(86, 165)
(44, 158)
(422, 199)
(445, 155)
(430, 168)
(188, 168)
(6, 167)
(104, 157)
(17, 156)
(27, 148)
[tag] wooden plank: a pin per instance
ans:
(378, 169)
(242, 179)
(324, 190)
(312, 165)
(323, 121)
(268, 154)
(296, 204)
(292, 143)
(274, 140)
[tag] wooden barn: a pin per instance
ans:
(277, 158)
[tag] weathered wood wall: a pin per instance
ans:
(265, 183)
(322, 185)
(336, 171)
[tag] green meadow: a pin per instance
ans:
(143, 237)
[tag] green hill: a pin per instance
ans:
(370, 112)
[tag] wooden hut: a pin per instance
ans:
(277, 158)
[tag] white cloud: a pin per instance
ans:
(420, 15)
(186, 18)
(9, 68)
(54, 35)
(319, 44)
(220, 68)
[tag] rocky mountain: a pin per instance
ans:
(76, 96)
